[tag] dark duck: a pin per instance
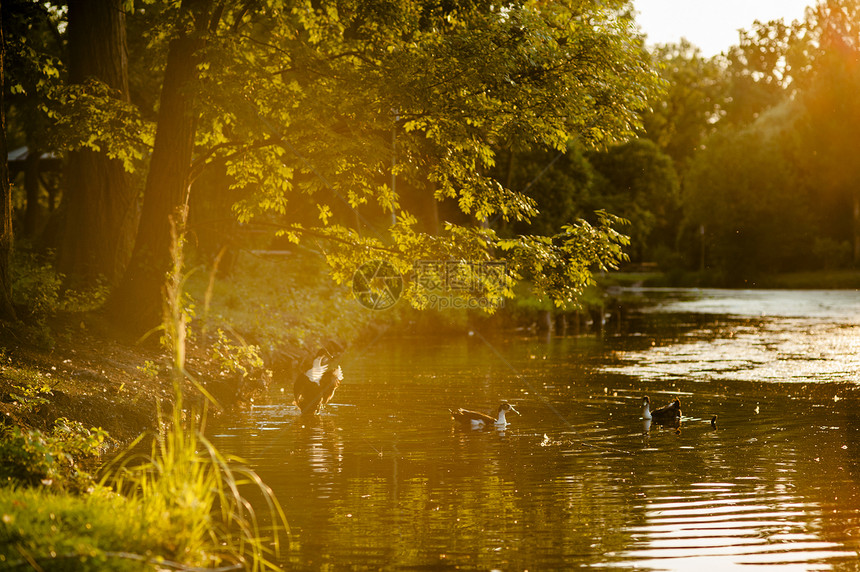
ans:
(668, 414)
(478, 420)
(315, 387)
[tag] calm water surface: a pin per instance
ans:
(383, 480)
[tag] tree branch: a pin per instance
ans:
(201, 162)
(324, 236)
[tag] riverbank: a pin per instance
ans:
(100, 470)
(87, 376)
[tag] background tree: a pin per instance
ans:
(7, 311)
(832, 120)
(638, 182)
(680, 120)
(560, 183)
(300, 100)
(788, 86)
(743, 190)
(100, 203)
(762, 68)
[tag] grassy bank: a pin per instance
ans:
(102, 530)
(178, 507)
(77, 491)
(823, 280)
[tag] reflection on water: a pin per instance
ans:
(753, 335)
(785, 350)
(384, 479)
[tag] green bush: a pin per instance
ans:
(30, 456)
(38, 294)
(236, 358)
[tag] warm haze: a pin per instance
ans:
(712, 26)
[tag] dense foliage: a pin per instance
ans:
(412, 131)
(346, 123)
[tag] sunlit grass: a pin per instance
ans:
(43, 530)
(193, 497)
(185, 482)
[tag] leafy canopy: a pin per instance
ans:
(319, 107)
(323, 102)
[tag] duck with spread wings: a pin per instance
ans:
(315, 386)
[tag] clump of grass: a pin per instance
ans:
(178, 507)
(186, 484)
(189, 493)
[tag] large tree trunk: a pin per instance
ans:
(7, 311)
(100, 210)
(137, 303)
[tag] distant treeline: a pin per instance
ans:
(746, 165)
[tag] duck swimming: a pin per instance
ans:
(316, 386)
(668, 414)
(478, 420)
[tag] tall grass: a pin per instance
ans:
(188, 494)
(185, 486)
(181, 505)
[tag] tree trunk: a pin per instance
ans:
(31, 190)
(137, 303)
(100, 211)
(7, 311)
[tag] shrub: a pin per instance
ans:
(30, 456)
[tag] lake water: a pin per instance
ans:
(384, 480)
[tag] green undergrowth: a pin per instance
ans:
(41, 529)
(56, 455)
(56, 458)
(39, 294)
